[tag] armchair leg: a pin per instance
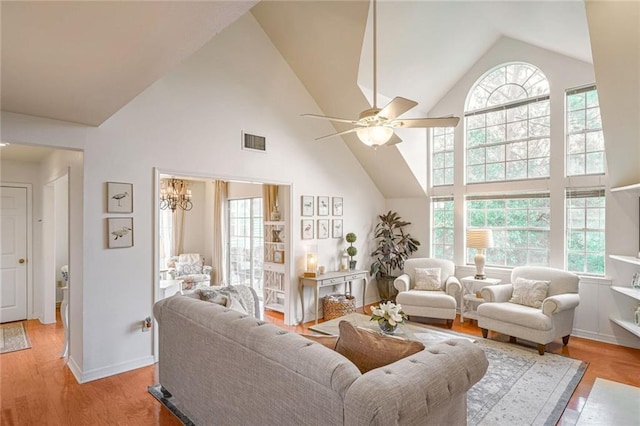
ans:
(541, 348)
(565, 340)
(485, 332)
(449, 323)
(512, 339)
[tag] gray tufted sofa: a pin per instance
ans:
(226, 368)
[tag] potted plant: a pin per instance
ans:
(351, 250)
(394, 247)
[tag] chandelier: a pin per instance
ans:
(173, 194)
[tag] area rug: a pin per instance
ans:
(13, 337)
(520, 387)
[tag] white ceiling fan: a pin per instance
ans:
(375, 126)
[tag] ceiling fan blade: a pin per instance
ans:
(324, 117)
(395, 140)
(427, 122)
(339, 133)
(396, 108)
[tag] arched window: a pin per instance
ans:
(507, 125)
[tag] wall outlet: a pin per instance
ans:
(146, 324)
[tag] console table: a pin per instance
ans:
(331, 279)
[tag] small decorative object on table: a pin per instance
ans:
(388, 315)
(351, 250)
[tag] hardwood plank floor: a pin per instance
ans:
(36, 387)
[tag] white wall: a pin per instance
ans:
(194, 220)
(239, 190)
(61, 191)
(190, 123)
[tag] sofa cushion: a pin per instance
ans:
(368, 349)
(529, 292)
(524, 316)
(328, 341)
(428, 279)
(433, 299)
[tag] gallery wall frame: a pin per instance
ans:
(323, 229)
(119, 232)
(336, 228)
(337, 204)
(323, 206)
(119, 197)
(307, 229)
(306, 207)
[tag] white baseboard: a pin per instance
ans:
(606, 338)
(100, 373)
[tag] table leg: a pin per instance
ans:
(364, 293)
(316, 294)
(301, 291)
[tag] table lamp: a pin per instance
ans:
(311, 260)
(479, 239)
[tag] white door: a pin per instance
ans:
(13, 254)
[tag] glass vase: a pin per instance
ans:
(387, 328)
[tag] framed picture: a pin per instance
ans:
(323, 228)
(119, 232)
(278, 256)
(307, 229)
(336, 229)
(307, 205)
(323, 206)
(119, 197)
(337, 206)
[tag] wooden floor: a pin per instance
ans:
(37, 388)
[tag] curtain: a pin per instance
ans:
(177, 236)
(269, 200)
(219, 273)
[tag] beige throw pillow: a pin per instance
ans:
(427, 279)
(529, 292)
(368, 349)
(328, 341)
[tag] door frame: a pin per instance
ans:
(29, 195)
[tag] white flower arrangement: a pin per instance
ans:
(389, 312)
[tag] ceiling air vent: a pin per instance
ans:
(254, 142)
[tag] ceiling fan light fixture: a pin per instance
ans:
(374, 135)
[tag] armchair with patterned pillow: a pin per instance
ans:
(190, 268)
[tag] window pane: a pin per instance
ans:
(442, 228)
(442, 156)
(585, 233)
(585, 141)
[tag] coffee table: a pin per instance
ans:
(409, 330)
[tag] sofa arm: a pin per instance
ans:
(560, 302)
(402, 283)
(206, 269)
(431, 383)
(497, 293)
(453, 287)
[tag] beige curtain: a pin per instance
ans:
(177, 236)
(219, 273)
(269, 200)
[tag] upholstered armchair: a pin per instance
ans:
(428, 288)
(537, 306)
(190, 268)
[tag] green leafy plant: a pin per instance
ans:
(394, 245)
(351, 250)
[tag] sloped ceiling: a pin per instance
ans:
(83, 61)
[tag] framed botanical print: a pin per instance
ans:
(337, 206)
(119, 197)
(119, 232)
(323, 229)
(336, 231)
(323, 206)
(307, 205)
(307, 229)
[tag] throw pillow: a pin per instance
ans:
(185, 268)
(368, 349)
(529, 292)
(328, 341)
(428, 279)
(223, 297)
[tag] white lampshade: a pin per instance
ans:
(374, 135)
(479, 238)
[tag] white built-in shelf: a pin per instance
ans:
(626, 187)
(627, 325)
(628, 259)
(627, 291)
(275, 290)
(279, 307)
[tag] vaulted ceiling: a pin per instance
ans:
(83, 61)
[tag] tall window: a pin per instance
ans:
(507, 125)
(585, 230)
(442, 156)
(520, 225)
(585, 140)
(442, 228)
(246, 242)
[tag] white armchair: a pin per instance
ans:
(190, 268)
(506, 314)
(439, 301)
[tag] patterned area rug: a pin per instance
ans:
(13, 337)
